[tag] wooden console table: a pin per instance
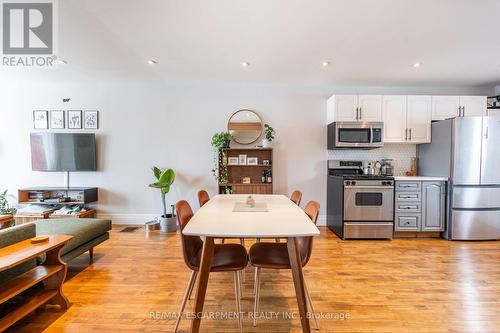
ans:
(52, 273)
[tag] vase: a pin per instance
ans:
(168, 224)
(266, 143)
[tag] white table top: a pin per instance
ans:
(283, 219)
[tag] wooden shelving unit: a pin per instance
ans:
(237, 172)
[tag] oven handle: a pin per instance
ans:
(369, 224)
(385, 187)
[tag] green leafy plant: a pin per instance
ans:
(165, 178)
(5, 209)
(220, 141)
(269, 132)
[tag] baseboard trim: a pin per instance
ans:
(141, 219)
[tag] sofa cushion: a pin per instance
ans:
(11, 236)
(82, 230)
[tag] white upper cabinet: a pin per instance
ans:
(407, 119)
(474, 105)
(345, 107)
(370, 107)
(419, 118)
(354, 108)
(444, 107)
(394, 116)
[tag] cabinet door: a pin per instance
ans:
(346, 108)
(474, 105)
(394, 117)
(419, 119)
(444, 107)
(433, 206)
(370, 107)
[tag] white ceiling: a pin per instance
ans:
(367, 41)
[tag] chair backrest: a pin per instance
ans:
(203, 197)
(305, 243)
(191, 245)
(296, 197)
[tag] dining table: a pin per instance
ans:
(274, 216)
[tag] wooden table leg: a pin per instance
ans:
(298, 281)
(206, 263)
(56, 281)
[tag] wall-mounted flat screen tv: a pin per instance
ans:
(63, 152)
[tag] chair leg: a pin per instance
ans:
(192, 286)
(91, 255)
(242, 242)
(222, 240)
(277, 240)
(257, 295)
(189, 288)
(313, 312)
(237, 291)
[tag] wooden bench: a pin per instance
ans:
(52, 273)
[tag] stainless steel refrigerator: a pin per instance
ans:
(467, 151)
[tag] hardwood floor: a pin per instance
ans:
(407, 285)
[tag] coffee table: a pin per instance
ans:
(52, 273)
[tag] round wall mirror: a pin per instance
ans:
(245, 126)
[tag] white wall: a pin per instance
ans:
(145, 122)
(497, 90)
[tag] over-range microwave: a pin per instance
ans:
(355, 135)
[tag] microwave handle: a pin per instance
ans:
(371, 135)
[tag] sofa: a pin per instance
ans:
(87, 233)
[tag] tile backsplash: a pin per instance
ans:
(400, 153)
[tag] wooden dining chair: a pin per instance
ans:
(275, 256)
(203, 197)
(296, 197)
(226, 258)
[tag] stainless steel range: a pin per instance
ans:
(359, 206)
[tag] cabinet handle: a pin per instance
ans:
(463, 111)
(406, 134)
(410, 134)
(360, 114)
(357, 113)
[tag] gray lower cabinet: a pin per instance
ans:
(420, 206)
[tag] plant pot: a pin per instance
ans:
(266, 143)
(168, 224)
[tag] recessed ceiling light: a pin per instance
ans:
(325, 63)
(245, 64)
(417, 64)
(62, 61)
(152, 62)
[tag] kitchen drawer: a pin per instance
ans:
(408, 222)
(408, 207)
(409, 186)
(408, 196)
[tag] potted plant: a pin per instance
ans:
(5, 209)
(165, 178)
(220, 141)
(269, 133)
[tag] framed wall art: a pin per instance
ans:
(91, 120)
(40, 119)
(74, 119)
(57, 119)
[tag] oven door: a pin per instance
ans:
(368, 203)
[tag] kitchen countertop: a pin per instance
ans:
(421, 179)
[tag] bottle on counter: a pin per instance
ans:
(264, 176)
(269, 177)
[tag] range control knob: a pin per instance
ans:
(353, 183)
